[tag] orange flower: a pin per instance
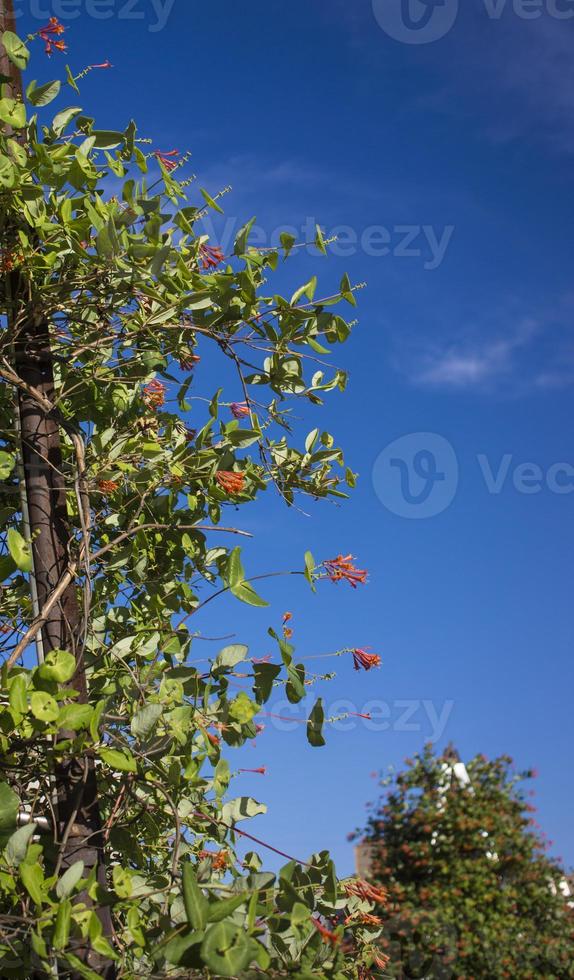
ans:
(230, 482)
(105, 64)
(188, 361)
(365, 891)
(342, 568)
(363, 919)
(287, 617)
(219, 859)
(287, 633)
(365, 660)
(326, 934)
(154, 395)
(239, 410)
(381, 961)
(215, 741)
(262, 771)
(167, 157)
(51, 30)
(210, 256)
(108, 486)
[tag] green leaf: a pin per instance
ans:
(16, 50)
(122, 761)
(221, 778)
(242, 808)
(307, 290)
(209, 200)
(346, 290)
(66, 884)
(227, 949)
(176, 948)
(18, 844)
(243, 237)
(20, 550)
(231, 655)
(319, 240)
(7, 179)
(43, 94)
(62, 925)
(265, 675)
(287, 242)
(221, 910)
(295, 689)
(59, 666)
(242, 709)
(145, 720)
(13, 113)
(7, 464)
(33, 879)
(195, 902)
(64, 118)
(44, 706)
(9, 807)
(17, 688)
(246, 593)
(75, 716)
(315, 725)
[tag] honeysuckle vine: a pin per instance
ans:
(106, 245)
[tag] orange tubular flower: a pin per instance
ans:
(262, 771)
(287, 633)
(365, 891)
(230, 482)
(108, 486)
(168, 158)
(363, 919)
(239, 410)
(219, 859)
(154, 394)
(326, 934)
(51, 30)
(342, 568)
(210, 256)
(365, 660)
(188, 361)
(287, 617)
(381, 961)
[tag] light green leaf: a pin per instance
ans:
(44, 706)
(13, 113)
(33, 879)
(242, 808)
(59, 666)
(242, 709)
(18, 844)
(66, 884)
(16, 50)
(7, 464)
(227, 949)
(195, 902)
(43, 94)
(62, 925)
(9, 807)
(20, 550)
(122, 761)
(75, 717)
(231, 655)
(145, 720)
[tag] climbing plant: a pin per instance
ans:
(101, 242)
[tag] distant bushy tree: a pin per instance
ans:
(472, 892)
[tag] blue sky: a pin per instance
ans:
(456, 156)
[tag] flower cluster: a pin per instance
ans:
(342, 569)
(51, 30)
(188, 362)
(365, 891)
(364, 660)
(219, 859)
(230, 482)
(239, 410)
(108, 486)
(154, 395)
(210, 256)
(168, 158)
